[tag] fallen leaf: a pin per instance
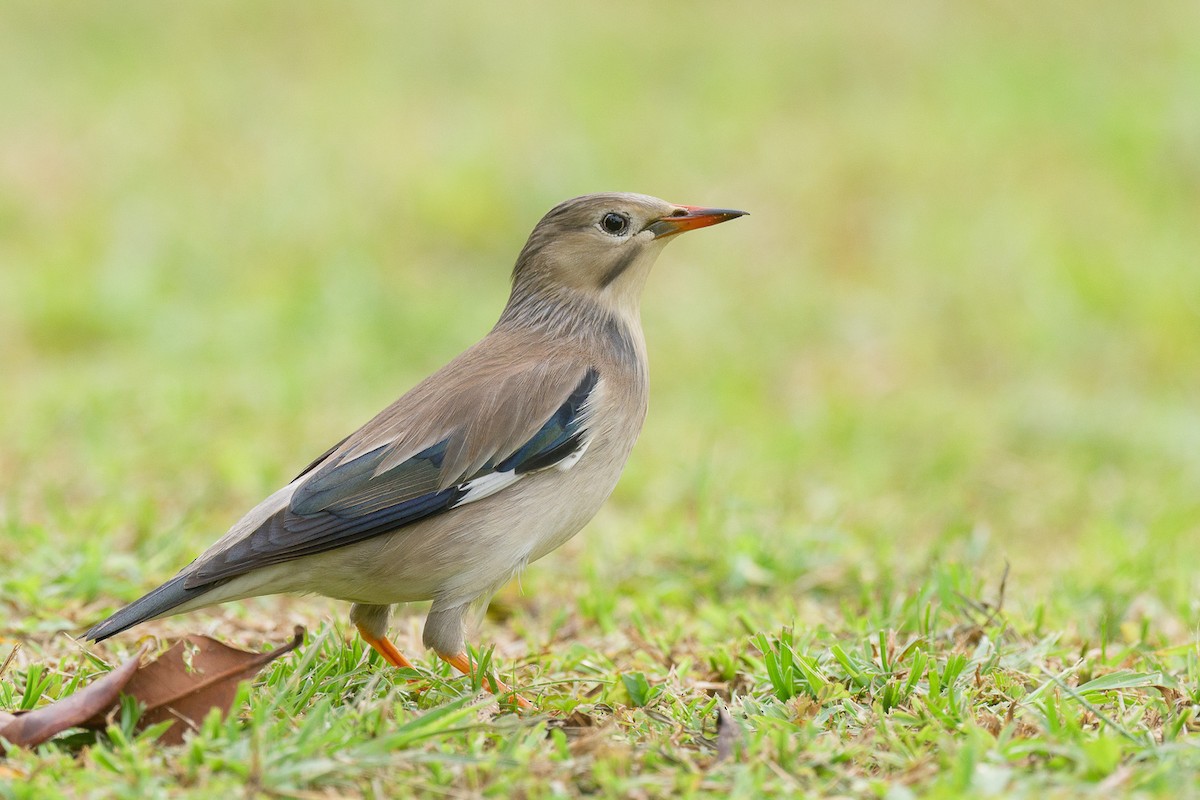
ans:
(194, 676)
(31, 728)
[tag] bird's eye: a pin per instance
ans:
(614, 223)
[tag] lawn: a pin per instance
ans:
(915, 512)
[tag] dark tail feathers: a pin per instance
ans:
(161, 600)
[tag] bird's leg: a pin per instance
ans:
(461, 662)
(444, 634)
(372, 622)
(385, 648)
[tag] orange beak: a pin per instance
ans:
(687, 218)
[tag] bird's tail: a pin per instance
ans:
(171, 594)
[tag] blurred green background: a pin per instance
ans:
(962, 322)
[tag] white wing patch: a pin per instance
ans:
(573, 459)
(486, 486)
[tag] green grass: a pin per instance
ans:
(956, 340)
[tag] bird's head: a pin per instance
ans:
(601, 246)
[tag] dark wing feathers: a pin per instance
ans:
(559, 437)
(285, 536)
(347, 500)
(488, 408)
(357, 485)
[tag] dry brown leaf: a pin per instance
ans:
(31, 728)
(195, 675)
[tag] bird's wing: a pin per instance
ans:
(452, 440)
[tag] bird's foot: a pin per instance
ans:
(385, 648)
(462, 663)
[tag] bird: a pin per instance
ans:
(487, 465)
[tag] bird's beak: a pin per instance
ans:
(687, 218)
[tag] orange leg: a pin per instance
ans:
(463, 664)
(385, 648)
(460, 662)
